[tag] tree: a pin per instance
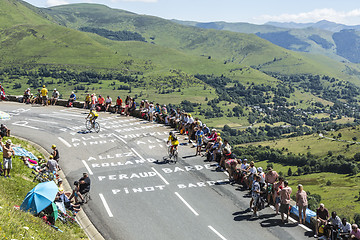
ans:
(357, 156)
(357, 218)
(339, 135)
(289, 172)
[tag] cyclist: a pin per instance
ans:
(174, 142)
(93, 115)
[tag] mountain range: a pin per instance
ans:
(338, 41)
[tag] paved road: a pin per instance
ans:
(133, 195)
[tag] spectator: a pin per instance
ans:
(270, 178)
(26, 96)
(206, 130)
(212, 138)
(231, 168)
(38, 98)
(87, 101)
(334, 223)
(262, 176)
(255, 195)
(107, 103)
(76, 193)
(199, 140)
(118, 105)
(322, 216)
(277, 188)
(355, 233)
(72, 99)
(226, 154)
(44, 95)
(285, 194)
(4, 131)
(52, 165)
(55, 153)
(345, 227)
(151, 112)
(84, 182)
(2, 93)
(30, 165)
(251, 172)
(132, 106)
(93, 101)
(55, 96)
(8, 153)
(301, 203)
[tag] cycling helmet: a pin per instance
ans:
(171, 133)
(53, 146)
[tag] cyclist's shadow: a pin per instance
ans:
(165, 160)
(84, 131)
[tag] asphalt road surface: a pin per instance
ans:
(134, 194)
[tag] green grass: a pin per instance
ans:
(12, 192)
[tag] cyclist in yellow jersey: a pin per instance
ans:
(93, 115)
(174, 142)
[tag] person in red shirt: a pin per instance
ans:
(101, 102)
(118, 105)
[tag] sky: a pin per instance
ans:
(252, 11)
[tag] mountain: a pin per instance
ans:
(324, 25)
(314, 38)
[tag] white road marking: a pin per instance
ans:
(35, 120)
(137, 154)
(106, 205)
(119, 138)
(186, 203)
(54, 116)
(64, 142)
(68, 114)
(160, 176)
(216, 232)
(24, 124)
(87, 167)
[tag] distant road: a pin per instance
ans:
(133, 196)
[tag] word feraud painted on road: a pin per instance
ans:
(127, 190)
(147, 174)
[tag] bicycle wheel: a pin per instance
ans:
(97, 127)
(175, 156)
(88, 125)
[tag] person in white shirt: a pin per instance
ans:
(345, 226)
(108, 103)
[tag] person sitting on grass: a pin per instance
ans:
(31, 165)
(4, 131)
(345, 228)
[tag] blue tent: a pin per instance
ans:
(39, 197)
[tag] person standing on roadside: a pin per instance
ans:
(270, 179)
(278, 186)
(55, 153)
(285, 196)
(44, 93)
(301, 203)
(8, 152)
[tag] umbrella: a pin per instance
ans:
(54, 211)
(39, 197)
(4, 116)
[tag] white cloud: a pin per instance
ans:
(314, 16)
(146, 1)
(51, 3)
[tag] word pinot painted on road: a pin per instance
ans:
(128, 190)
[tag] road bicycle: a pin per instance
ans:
(95, 126)
(171, 157)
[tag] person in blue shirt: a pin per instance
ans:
(199, 140)
(72, 99)
(206, 130)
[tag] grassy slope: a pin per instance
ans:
(12, 192)
(223, 45)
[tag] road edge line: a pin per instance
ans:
(107, 208)
(64, 142)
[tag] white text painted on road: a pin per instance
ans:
(114, 177)
(202, 184)
(117, 164)
(25, 124)
(187, 168)
(138, 190)
(111, 156)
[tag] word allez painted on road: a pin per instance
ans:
(128, 190)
